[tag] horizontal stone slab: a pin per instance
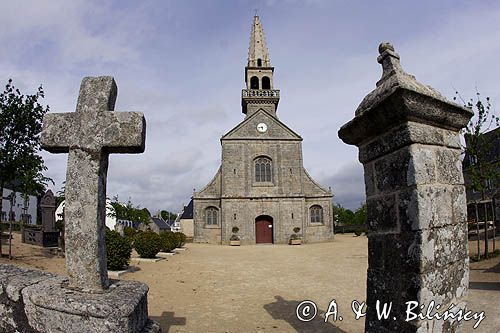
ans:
(130, 269)
(146, 259)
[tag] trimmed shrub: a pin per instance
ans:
(118, 251)
(181, 238)
(147, 244)
(129, 232)
(168, 241)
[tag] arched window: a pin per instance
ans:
(263, 170)
(266, 83)
(316, 213)
(259, 62)
(211, 216)
(254, 82)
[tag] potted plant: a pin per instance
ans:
(295, 238)
(235, 239)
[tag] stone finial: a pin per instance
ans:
(389, 60)
(394, 78)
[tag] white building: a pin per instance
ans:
(23, 209)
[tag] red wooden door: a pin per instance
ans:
(263, 230)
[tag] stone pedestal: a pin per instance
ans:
(34, 301)
(408, 139)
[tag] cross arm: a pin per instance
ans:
(55, 129)
(125, 132)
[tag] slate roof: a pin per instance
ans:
(188, 211)
(160, 223)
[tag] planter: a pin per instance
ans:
(295, 241)
(234, 243)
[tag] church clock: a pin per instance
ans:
(261, 127)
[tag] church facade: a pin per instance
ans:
(261, 186)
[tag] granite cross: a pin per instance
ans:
(89, 135)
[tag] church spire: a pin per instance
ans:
(259, 92)
(258, 55)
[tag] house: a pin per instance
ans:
(186, 220)
(24, 208)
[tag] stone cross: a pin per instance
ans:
(89, 135)
(408, 139)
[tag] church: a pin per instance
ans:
(261, 186)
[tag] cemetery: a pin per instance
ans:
(246, 271)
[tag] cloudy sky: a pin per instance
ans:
(182, 64)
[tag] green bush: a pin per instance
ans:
(168, 241)
(118, 251)
(129, 232)
(147, 244)
(181, 239)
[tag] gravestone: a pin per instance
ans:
(48, 236)
(48, 207)
(408, 139)
(86, 302)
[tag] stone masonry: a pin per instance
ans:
(408, 139)
(86, 302)
(235, 193)
(89, 135)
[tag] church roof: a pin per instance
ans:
(258, 47)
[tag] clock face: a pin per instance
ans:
(261, 127)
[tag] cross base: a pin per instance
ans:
(36, 301)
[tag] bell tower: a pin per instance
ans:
(259, 92)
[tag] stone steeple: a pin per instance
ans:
(259, 92)
(258, 46)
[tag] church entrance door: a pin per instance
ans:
(264, 229)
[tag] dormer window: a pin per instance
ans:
(259, 62)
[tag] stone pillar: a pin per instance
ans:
(408, 139)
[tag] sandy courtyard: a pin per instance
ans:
(210, 288)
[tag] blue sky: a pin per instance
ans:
(182, 64)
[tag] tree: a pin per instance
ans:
(360, 216)
(130, 212)
(343, 216)
(20, 126)
(168, 216)
(482, 167)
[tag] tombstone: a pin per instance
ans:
(85, 302)
(48, 236)
(408, 140)
(48, 206)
